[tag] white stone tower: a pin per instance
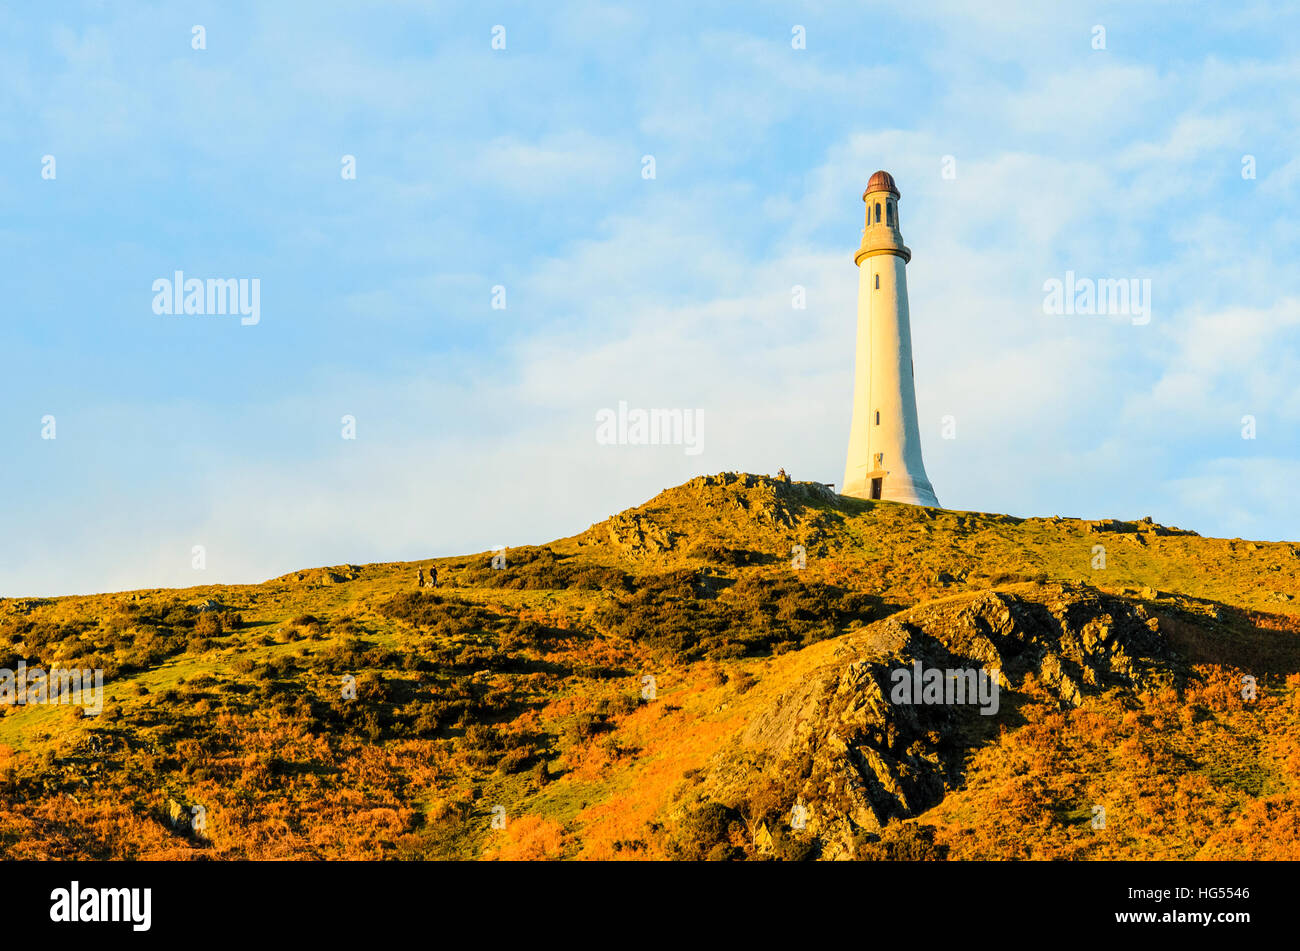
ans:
(884, 438)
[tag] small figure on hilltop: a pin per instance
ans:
(433, 576)
(419, 578)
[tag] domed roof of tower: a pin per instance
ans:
(882, 181)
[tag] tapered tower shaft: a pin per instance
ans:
(884, 460)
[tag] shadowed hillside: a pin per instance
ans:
(708, 675)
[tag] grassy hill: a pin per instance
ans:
(669, 684)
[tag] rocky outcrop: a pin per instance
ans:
(321, 576)
(633, 535)
(878, 753)
(1143, 525)
(752, 508)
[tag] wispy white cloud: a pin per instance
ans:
(476, 426)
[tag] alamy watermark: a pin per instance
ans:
(193, 297)
(74, 904)
(1127, 297)
(24, 685)
(937, 686)
(651, 427)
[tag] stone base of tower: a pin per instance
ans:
(894, 490)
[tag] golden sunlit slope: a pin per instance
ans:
(704, 676)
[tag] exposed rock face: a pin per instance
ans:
(775, 501)
(322, 576)
(750, 506)
(636, 535)
(874, 759)
(1147, 524)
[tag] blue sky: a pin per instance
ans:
(522, 168)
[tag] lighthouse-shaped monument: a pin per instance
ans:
(884, 438)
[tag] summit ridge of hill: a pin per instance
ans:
(705, 675)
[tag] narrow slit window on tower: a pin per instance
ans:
(877, 282)
(889, 214)
(877, 417)
(877, 212)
